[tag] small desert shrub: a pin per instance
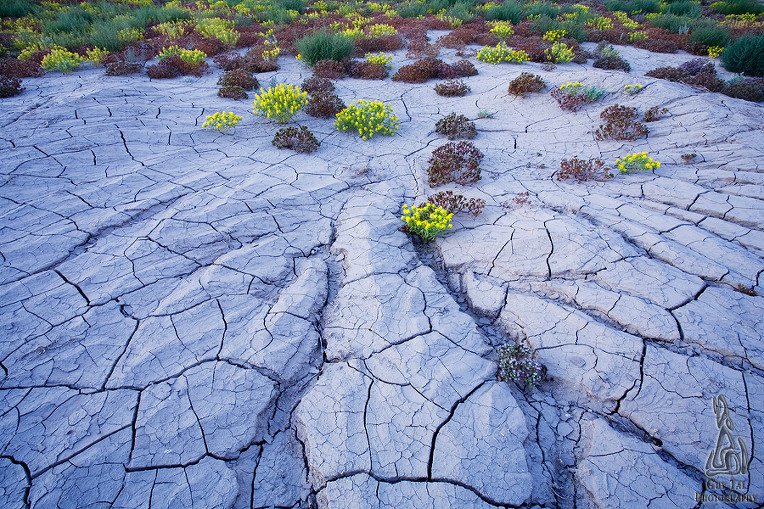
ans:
(698, 72)
(432, 68)
(233, 92)
(368, 118)
(460, 69)
(745, 55)
(15, 68)
(518, 364)
(96, 55)
(219, 29)
(317, 85)
(324, 46)
(710, 35)
(280, 102)
(16, 8)
(559, 53)
(526, 83)
(456, 127)
(620, 124)
(454, 162)
(324, 104)
(192, 57)
(452, 88)
(609, 58)
(501, 29)
(382, 59)
(299, 139)
(654, 113)
(329, 69)
(9, 86)
(582, 170)
(222, 120)
(123, 68)
(173, 66)
(61, 60)
(738, 7)
(749, 89)
(427, 221)
(456, 203)
(367, 70)
(509, 10)
(633, 6)
(633, 88)
(638, 161)
(239, 78)
(572, 95)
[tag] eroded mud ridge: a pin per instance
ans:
(192, 319)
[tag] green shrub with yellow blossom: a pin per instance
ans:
(280, 102)
(715, 51)
(368, 118)
(633, 88)
(381, 30)
(218, 28)
(554, 35)
(383, 59)
(638, 161)
(501, 53)
(427, 221)
(559, 53)
(96, 55)
(222, 120)
(60, 59)
(189, 56)
(501, 29)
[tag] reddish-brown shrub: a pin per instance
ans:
(611, 62)
(749, 89)
(299, 139)
(324, 104)
(210, 47)
(620, 124)
(232, 92)
(456, 127)
(367, 70)
(454, 162)
(526, 83)
(123, 68)
(329, 69)
(654, 113)
(452, 88)
(9, 87)
(173, 66)
(239, 78)
(376, 44)
(317, 85)
(462, 69)
(455, 203)
(582, 170)
(534, 46)
(14, 68)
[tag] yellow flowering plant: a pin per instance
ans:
(633, 88)
(501, 29)
(218, 28)
(638, 161)
(501, 53)
(715, 51)
(280, 102)
(554, 35)
(96, 55)
(638, 36)
(383, 59)
(189, 56)
(427, 221)
(559, 53)
(380, 30)
(368, 118)
(600, 23)
(60, 59)
(222, 120)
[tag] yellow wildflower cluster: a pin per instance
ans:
(172, 29)
(715, 51)
(270, 51)
(96, 55)
(571, 87)
(554, 35)
(634, 88)
(501, 53)
(384, 59)
(559, 53)
(501, 29)
(625, 20)
(60, 59)
(747, 20)
(280, 102)
(368, 118)
(218, 28)
(189, 56)
(600, 23)
(638, 161)
(128, 35)
(427, 221)
(452, 21)
(381, 30)
(222, 120)
(638, 36)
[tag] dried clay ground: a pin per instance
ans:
(198, 320)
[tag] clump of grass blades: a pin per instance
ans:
(324, 46)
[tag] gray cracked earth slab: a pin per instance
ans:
(191, 319)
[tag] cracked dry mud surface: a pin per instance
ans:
(197, 320)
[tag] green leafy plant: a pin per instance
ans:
(745, 55)
(383, 59)
(60, 59)
(427, 221)
(501, 53)
(190, 56)
(559, 53)
(218, 28)
(368, 118)
(324, 45)
(501, 29)
(280, 102)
